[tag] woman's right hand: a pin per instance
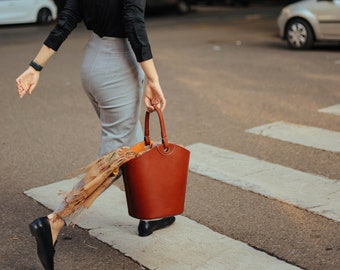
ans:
(27, 81)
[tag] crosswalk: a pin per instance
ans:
(190, 245)
(314, 193)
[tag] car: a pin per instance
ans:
(303, 23)
(27, 11)
(182, 6)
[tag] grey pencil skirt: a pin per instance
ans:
(113, 80)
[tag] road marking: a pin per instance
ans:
(308, 136)
(331, 110)
(184, 245)
(311, 192)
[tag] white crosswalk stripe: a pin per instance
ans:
(304, 135)
(335, 109)
(312, 192)
(186, 245)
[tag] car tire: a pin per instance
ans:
(44, 16)
(183, 7)
(299, 34)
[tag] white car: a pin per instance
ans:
(308, 21)
(27, 11)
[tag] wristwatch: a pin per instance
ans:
(36, 66)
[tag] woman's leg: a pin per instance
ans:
(113, 81)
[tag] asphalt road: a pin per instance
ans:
(223, 70)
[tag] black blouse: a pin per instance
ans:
(111, 18)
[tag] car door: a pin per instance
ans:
(328, 15)
(7, 10)
(16, 11)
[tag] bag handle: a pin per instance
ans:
(162, 125)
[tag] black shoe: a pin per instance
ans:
(146, 228)
(41, 230)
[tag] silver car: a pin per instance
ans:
(308, 21)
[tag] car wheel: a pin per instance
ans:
(183, 7)
(44, 16)
(299, 34)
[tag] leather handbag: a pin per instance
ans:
(155, 181)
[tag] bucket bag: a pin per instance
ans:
(155, 181)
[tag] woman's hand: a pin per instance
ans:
(154, 96)
(27, 81)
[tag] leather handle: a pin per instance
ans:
(162, 125)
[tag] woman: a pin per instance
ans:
(117, 59)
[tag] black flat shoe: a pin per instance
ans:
(41, 230)
(146, 228)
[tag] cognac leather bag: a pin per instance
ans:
(155, 181)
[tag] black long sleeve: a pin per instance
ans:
(111, 18)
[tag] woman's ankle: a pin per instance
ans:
(56, 224)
